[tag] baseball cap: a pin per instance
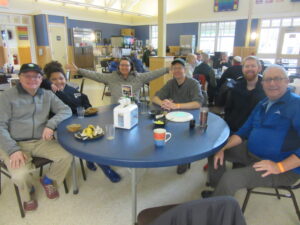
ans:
(178, 60)
(30, 67)
(237, 58)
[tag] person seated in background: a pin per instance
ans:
(27, 131)
(191, 64)
(181, 92)
(126, 76)
(245, 94)
(198, 57)
(150, 51)
(113, 65)
(73, 98)
(233, 72)
(271, 154)
(224, 61)
(138, 64)
(206, 76)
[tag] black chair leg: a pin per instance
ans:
(66, 186)
(41, 171)
(277, 193)
(82, 169)
(246, 200)
(103, 91)
(19, 201)
(295, 202)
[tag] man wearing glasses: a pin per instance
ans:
(26, 131)
(272, 150)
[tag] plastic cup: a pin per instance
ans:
(80, 112)
(109, 131)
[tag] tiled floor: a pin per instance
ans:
(101, 202)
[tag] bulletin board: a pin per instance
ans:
(226, 5)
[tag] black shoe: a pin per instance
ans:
(181, 169)
(206, 194)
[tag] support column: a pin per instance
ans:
(162, 28)
(161, 60)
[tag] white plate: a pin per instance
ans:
(178, 116)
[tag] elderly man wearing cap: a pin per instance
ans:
(26, 131)
(181, 92)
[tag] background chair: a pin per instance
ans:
(38, 162)
(277, 194)
(217, 210)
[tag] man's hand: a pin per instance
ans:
(219, 156)
(17, 159)
(168, 104)
(54, 88)
(47, 134)
(266, 165)
(72, 67)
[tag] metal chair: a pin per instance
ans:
(277, 194)
(38, 163)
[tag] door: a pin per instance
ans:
(289, 49)
(58, 43)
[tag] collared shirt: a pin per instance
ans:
(274, 134)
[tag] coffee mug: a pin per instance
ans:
(161, 136)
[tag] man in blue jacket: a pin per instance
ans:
(272, 150)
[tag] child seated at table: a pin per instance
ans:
(56, 80)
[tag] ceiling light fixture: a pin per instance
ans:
(89, 5)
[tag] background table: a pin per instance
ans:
(135, 148)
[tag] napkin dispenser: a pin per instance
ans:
(125, 116)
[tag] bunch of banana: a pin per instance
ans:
(91, 131)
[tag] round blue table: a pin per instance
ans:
(135, 148)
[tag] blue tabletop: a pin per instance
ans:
(135, 148)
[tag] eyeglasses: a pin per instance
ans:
(125, 65)
(275, 79)
(37, 77)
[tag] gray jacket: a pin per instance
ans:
(24, 117)
(115, 80)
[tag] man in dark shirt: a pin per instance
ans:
(181, 92)
(245, 94)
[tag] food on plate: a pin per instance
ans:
(91, 110)
(91, 132)
(73, 127)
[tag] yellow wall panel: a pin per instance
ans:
(24, 55)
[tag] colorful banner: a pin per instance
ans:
(22, 33)
(226, 5)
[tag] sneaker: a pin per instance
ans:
(110, 173)
(50, 190)
(30, 205)
(91, 166)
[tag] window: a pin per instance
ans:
(154, 36)
(217, 37)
